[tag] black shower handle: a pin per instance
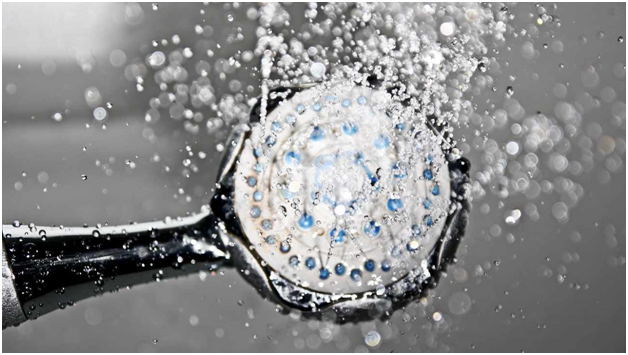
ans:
(47, 268)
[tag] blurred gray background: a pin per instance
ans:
(52, 53)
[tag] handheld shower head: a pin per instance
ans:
(338, 196)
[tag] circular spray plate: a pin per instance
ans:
(341, 189)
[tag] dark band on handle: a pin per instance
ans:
(12, 313)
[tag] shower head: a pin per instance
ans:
(338, 195)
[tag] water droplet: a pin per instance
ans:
(447, 28)
(459, 303)
(100, 113)
(372, 338)
(155, 60)
(317, 70)
(437, 316)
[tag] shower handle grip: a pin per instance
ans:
(47, 268)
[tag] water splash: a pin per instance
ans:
(447, 59)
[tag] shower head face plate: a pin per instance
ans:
(342, 190)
